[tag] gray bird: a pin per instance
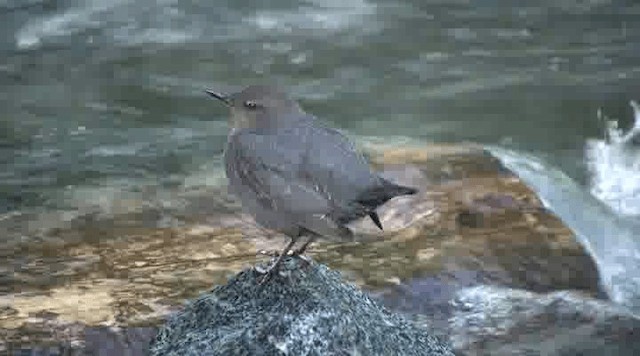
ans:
(295, 175)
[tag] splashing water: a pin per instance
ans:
(614, 164)
(611, 239)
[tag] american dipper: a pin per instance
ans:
(295, 175)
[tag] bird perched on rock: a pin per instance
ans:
(295, 175)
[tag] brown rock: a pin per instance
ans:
(472, 222)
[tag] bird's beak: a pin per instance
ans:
(224, 98)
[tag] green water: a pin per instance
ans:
(104, 100)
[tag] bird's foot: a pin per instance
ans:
(299, 254)
(270, 253)
(271, 270)
(274, 253)
(305, 258)
(260, 269)
(267, 276)
(267, 273)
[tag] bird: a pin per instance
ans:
(296, 175)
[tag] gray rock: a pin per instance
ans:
(501, 321)
(306, 309)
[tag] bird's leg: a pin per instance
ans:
(303, 248)
(274, 268)
(270, 253)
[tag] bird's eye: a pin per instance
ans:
(250, 105)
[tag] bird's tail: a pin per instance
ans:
(378, 195)
(372, 198)
(397, 190)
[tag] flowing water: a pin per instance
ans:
(611, 239)
(104, 114)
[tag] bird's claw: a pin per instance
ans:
(270, 253)
(305, 258)
(267, 273)
(274, 253)
(265, 278)
(260, 269)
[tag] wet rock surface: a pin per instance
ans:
(473, 223)
(56, 338)
(305, 310)
(499, 321)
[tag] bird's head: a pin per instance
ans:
(259, 106)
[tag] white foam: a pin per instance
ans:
(72, 21)
(614, 164)
(32, 34)
(136, 23)
(611, 240)
(136, 36)
(473, 84)
(330, 15)
(119, 20)
(114, 150)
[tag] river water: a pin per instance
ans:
(104, 114)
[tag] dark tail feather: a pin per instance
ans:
(398, 190)
(376, 196)
(376, 219)
(372, 198)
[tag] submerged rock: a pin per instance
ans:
(473, 223)
(501, 321)
(306, 310)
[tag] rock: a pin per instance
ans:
(481, 220)
(487, 228)
(501, 321)
(305, 310)
(52, 337)
(104, 341)
(472, 223)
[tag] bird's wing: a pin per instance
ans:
(267, 168)
(336, 165)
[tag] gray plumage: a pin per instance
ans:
(295, 175)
